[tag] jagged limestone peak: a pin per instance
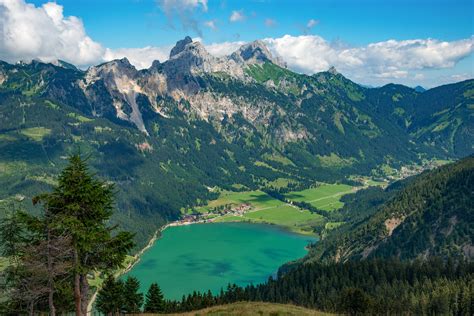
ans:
(255, 52)
(180, 46)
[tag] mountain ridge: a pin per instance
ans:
(168, 133)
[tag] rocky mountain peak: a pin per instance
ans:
(180, 46)
(332, 70)
(63, 64)
(255, 52)
(189, 57)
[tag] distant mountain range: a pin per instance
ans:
(167, 134)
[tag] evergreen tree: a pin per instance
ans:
(110, 299)
(40, 254)
(154, 302)
(132, 299)
(85, 205)
(354, 301)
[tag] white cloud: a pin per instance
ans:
(270, 22)
(384, 60)
(223, 49)
(211, 24)
(183, 10)
(171, 5)
(237, 16)
(28, 32)
(139, 57)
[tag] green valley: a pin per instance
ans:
(260, 207)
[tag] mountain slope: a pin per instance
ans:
(431, 215)
(440, 118)
(168, 134)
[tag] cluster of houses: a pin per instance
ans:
(408, 171)
(239, 210)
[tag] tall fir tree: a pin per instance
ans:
(154, 302)
(110, 299)
(132, 299)
(85, 205)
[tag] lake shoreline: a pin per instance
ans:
(158, 234)
(202, 257)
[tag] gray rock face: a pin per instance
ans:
(180, 45)
(178, 79)
(255, 52)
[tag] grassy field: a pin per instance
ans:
(299, 221)
(325, 197)
(257, 199)
(265, 209)
(36, 133)
(254, 308)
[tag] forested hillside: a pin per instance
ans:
(431, 214)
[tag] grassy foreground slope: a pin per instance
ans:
(255, 308)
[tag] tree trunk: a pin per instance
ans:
(84, 294)
(77, 285)
(52, 309)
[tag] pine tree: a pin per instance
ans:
(110, 299)
(354, 301)
(85, 204)
(133, 300)
(154, 302)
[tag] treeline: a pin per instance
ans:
(52, 255)
(381, 286)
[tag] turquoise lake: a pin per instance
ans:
(209, 256)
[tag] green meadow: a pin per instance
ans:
(325, 197)
(265, 209)
(257, 199)
(36, 133)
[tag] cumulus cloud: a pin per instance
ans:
(139, 57)
(224, 48)
(183, 11)
(237, 16)
(28, 32)
(385, 60)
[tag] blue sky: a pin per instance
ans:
(136, 23)
(329, 27)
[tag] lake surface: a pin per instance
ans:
(209, 256)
